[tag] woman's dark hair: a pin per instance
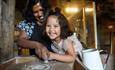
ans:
(64, 24)
(28, 13)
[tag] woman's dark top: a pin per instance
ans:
(35, 33)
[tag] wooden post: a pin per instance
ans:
(0, 21)
(84, 23)
(6, 29)
(0, 31)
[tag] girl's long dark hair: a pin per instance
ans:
(64, 24)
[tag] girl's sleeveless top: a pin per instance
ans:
(60, 48)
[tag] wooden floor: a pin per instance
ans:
(109, 66)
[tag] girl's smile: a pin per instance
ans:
(53, 28)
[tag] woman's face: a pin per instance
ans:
(53, 28)
(38, 12)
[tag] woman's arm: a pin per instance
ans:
(24, 42)
(68, 57)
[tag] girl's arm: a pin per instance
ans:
(68, 57)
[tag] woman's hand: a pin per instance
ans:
(45, 53)
(39, 52)
(42, 52)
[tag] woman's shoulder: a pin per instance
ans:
(24, 23)
(26, 27)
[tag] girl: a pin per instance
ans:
(57, 30)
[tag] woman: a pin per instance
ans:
(31, 28)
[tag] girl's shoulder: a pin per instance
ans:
(67, 40)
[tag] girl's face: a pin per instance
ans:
(38, 12)
(53, 28)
